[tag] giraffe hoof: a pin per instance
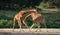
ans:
(38, 31)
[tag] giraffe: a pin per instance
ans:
(37, 18)
(19, 16)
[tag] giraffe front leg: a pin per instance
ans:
(14, 24)
(13, 27)
(19, 23)
(31, 27)
(24, 22)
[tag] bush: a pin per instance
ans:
(3, 23)
(52, 21)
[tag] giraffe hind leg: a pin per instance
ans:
(38, 29)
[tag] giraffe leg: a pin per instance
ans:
(19, 23)
(25, 23)
(45, 24)
(13, 27)
(32, 26)
(38, 27)
(14, 23)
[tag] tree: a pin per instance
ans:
(17, 4)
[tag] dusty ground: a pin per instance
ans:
(31, 32)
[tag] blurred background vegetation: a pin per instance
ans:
(50, 9)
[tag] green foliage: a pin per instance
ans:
(18, 4)
(10, 24)
(52, 21)
(53, 3)
(5, 23)
(29, 21)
